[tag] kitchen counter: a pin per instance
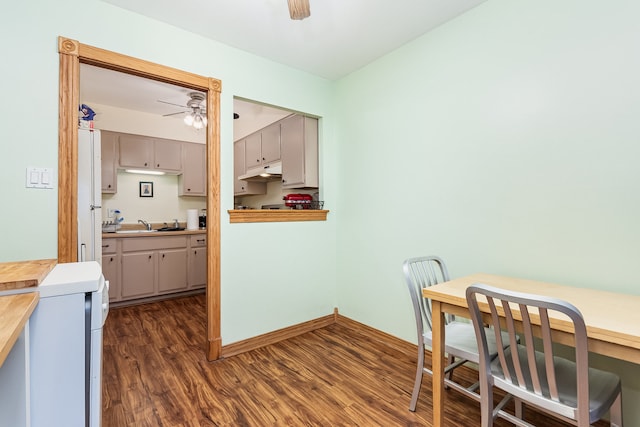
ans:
(277, 215)
(15, 310)
(24, 274)
(154, 234)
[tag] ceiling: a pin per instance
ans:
(338, 38)
(127, 91)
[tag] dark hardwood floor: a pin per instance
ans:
(156, 375)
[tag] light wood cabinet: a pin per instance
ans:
(109, 160)
(299, 144)
(241, 187)
(193, 180)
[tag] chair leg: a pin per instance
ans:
(450, 360)
(518, 408)
(616, 412)
(418, 381)
(486, 404)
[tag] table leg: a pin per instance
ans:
(437, 365)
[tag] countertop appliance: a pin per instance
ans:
(89, 196)
(65, 346)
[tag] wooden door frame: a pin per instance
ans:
(71, 54)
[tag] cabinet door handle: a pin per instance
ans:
(162, 255)
(149, 256)
(200, 240)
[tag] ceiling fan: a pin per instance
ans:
(196, 112)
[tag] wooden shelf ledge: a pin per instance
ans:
(276, 215)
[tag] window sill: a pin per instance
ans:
(268, 215)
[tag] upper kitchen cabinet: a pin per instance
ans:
(109, 160)
(242, 187)
(136, 151)
(263, 147)
(167, 155)
(193, 180)
(299, 145)
(143, 152)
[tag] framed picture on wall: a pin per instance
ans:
(146, 189)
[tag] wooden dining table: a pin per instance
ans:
(612, 320)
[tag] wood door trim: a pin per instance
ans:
(71, 54)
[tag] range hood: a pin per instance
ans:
(270, 172)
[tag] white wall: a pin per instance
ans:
(505, 141)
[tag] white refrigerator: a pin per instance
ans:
(89, 196)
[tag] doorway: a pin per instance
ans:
(71, 54)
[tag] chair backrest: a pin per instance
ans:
(419, 273)
(523, 377)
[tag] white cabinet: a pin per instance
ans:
(193, 180)
(299, 144)
(241, 187)
(15, 386)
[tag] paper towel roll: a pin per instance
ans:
(192, 219)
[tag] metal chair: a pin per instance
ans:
(529, 371)
(460, 339)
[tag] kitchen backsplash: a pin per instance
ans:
(164, 206)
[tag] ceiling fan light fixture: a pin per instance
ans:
(188, 119)
(299, 9)
(198, 123)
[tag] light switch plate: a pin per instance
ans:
(39, 177)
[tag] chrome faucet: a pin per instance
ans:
(145, 223)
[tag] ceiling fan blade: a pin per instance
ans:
(171, 103)
(173, 114)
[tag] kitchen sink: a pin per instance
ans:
(170, 229)
(134, 231)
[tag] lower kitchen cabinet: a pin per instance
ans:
(138, 274)
(143, 267)
(198, 261)
(153, 266)
(172, 270)
(111, 267)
